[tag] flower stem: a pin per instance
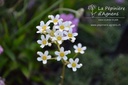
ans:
(58, 46)
(67, 9)
(14, 6)
(52, 59)
(62, 74)
(64, 9)
(75, 55)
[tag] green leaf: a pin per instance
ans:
(91, 30)
(3, 61)
(11, 67)
(25, 71)
(37, 78)
(27, 26)
(19, 40)
(5, 27)
(9, 52)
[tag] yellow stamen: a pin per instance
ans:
(52, 33)
(69, 35)
(59, 38)
(44, 42)
(44, 57)
(62, 54)
(69, 27)
(55, 21)
(44, 27)
(79, 49)
(62, 27)
(73, 64)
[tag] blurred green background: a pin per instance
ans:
(19, 65)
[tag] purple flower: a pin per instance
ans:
(120, 1)
(2, 81)
(70, 17)
(31, 3)
(1, 49)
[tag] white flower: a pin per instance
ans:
(79, 48)
(1, 49)
(71, 35)
(55, 19)
(61, 26)
(68, 25)
(43, 27)
(74, 64)
(44, 41)
(62, 54)
(59, 37)
(51, 32)
(43, 57)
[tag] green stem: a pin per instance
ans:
(52, 59)
(75, 55)
(14, 6)
(67, 9)
(61, 6)
(17, 4)
(27, 26)
(64, 9)
(58, 47)
(62, 74)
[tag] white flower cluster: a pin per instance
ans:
(55, 31)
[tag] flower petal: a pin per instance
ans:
(49, 44)
(67, 52)
(47, 37)
(82, 52)
(75, 47)
(39, 59)
(38, 27)
(60, 42)
(56, 52)
(79, 65)
(38, 32)
(48, 22)
(75, 34)
(39, 41)
(74, 69)
(46, 53)
(49, 57)
(51, 16)
(71, 60)
(73, 39)
(69, 66)
(58, 58)
(42, 37)
(42, 46)
(57, 16)
(79, 45)
(44, 61)
(76, 51)
(41, 23)
(39, 53)
(65, 58)
(77, 60)
(84, 48)
(70, 30)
